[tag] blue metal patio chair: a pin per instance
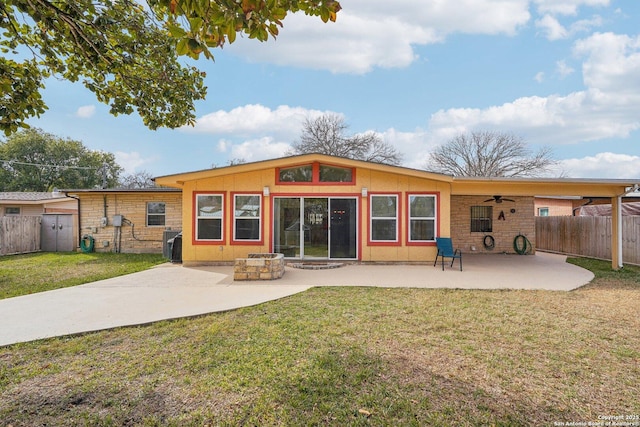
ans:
(445, 250)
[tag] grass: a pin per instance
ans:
(349, 356)
(38, 272)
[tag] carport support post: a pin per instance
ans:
(616, 233)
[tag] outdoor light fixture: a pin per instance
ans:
(364, 191)
(265, 191)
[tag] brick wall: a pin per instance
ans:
(134, 236)
(522, 221)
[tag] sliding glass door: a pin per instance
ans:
(315, 227)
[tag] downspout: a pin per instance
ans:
(79, 217)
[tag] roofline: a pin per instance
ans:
(619, 182)
(180, 178)
(33, 202)
(122, 190)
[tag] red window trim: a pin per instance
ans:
(398, 241)
(315, 175)
(194, 218)
(232, 218)
(408, 219)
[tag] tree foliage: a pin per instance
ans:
(32, 160)
(326, 134)
(489, 154)
(125, 53)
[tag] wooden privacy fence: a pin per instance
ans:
(19, 234)
(587, 236)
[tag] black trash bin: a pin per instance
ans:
(176, 248)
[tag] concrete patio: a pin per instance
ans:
(172, 291)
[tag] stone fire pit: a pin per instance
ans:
(262, 266)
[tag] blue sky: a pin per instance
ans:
(558, 73)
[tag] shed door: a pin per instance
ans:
(57, 233)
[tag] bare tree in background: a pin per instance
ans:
(327, 135)
(137, 180)
(490, 154)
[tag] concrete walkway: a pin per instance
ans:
(172, 291)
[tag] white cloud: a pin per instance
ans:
(254, 119)
(563, 69)
(131, 161)
(567, 7)
(539, 77)
(612, 64)
(553, 30)
(606, 108)
(377, 33)
(259, 149)
(603, 165)
(86, 111)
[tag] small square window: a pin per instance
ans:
(155, 214)
(12, 210)
(481, 219)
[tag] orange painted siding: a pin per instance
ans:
(377, 182)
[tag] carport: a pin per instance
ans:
(613, 189)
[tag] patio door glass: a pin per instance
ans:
(316, 223)
(343, 228)
(315, 227)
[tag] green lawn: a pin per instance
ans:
(349, 356)
(31, 273)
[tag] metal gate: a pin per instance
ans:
(57, 233)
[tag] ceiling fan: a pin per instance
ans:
(498, 199)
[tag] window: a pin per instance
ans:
(315, 173)
(155, 214)
(12, 210)
(296, 174)
(384, 218)
(209, 213)
(335, 174)
(481, 219)
(246, 217)
(543, 211)
(422, 218)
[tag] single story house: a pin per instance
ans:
(320, 207)
(577, 205)
(37, 221)
(36, 203)
(127, 220)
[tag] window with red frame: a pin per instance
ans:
(209, 215)
(316, 173)
(384, 218)
(246, 217)
(422, 217)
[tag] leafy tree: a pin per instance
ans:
(32, 160)
(125, 53)
(489, 154)
(326, 134)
